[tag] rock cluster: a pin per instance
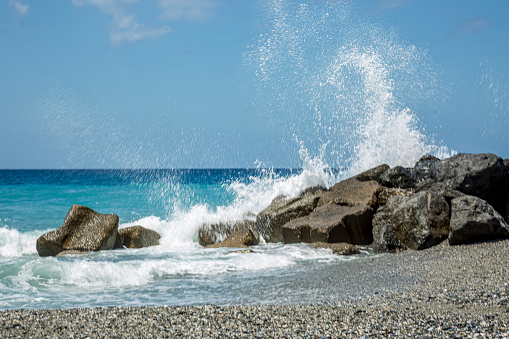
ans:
(85, 230)
(464, 199)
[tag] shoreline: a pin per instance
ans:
(457, 290)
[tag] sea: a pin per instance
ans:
(343, 89)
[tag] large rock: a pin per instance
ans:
(138, 237)
(384, 236)
(372, 174)
(332, 223)
(270, 221)
(473, 220)
(209, 234)
(83, 230)
(421, 173)
(397, 177)
(482, 175)
(341, 248)
(352, 192)
(419, 221)
(239, 239)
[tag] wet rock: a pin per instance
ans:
(239, 239)
(372, 174)
(422, 171)
(332, 223)
(419, 221)
(138, 237)
(270, 221)
(70, 252)
(384, 236)
(241, 252)
(83, 230)
(352, 192)
(474, 220)
(338, 248)
(397, 177)
(209, 234)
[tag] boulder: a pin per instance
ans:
(419, 221)
(270, 221)
(397, 177)
(384, 237)
(473, 220)
(421, 172)
(341, 248)
(388, 193)
(138, 237)
(372, 174)
(352, 192)
(83, 230)
(239, 239)
(332, 223)
(482, 175)
(209, 234)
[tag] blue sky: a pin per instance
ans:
(168, 83)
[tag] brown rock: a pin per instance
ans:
(352, 192)
(138, 237)
(209, 234)
(270, 221)
(372, 174)
(332, 223)
(239, 239)
(338, 248)
(83, 230)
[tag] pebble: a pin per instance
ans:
(461, 292)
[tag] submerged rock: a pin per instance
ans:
(138, 237)
(240, 239)
(474, 220)
(341, 248)
(83, 230)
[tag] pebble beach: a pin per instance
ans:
(456, 291)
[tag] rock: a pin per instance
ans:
(352, 192)
(419, 221)
(209, 234)
(338, 248)
(332, 223)
(474, 220)
(241, 252)
(138, 237)
(372, 174)
(83, 230)
(384, 237)
(422, 169)
(270, 221)
(314, 190)
(388, 193)
(482, 175)
(70, 252)
(397, 177)
(239, 239)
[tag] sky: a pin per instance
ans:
(171, 83)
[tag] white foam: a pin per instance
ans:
(15, 244)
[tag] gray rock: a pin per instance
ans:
(482, 175)
(388, 193)
(239, 239)
(397, 177)
(209, 234)
(332, 223)
(423, 169)
(419, 221)
(352, 192)
(138, 237)
(474, 220)
(341, 248)
(384, 237)
(372, 174)
(83, 230)
(270, 221)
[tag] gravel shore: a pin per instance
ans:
(459, 291)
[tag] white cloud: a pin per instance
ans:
(125, 28)
(186, 9)
(19, 6)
